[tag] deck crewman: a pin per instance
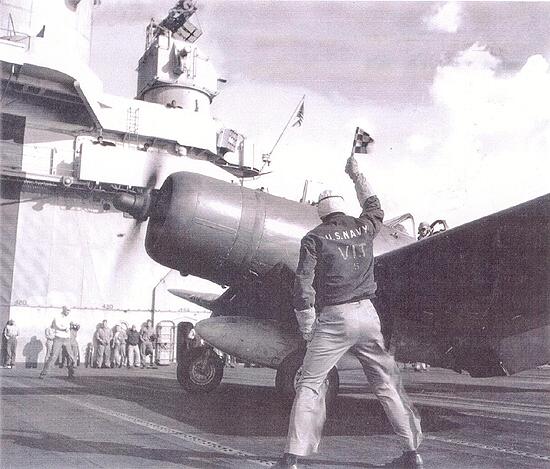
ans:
(335, 276)
(61, 325)
(11, 332)
(49, 334)
(103, 336)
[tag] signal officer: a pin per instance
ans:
(335, 275)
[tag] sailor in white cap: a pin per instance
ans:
(61, 324)
(335, 278)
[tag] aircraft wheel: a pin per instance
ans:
(200, 370)
(289, 372)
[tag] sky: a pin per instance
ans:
(456, 95)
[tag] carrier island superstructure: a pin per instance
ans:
(67, 148)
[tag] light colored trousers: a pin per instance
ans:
(134, 355)
(116, 355)
(49, 348)
(58, 344)
(354, 327)
(11, 348)
(143, 348)
(103, 355)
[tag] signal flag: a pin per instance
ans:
(361, 141)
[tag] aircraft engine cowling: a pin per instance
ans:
(224, 232)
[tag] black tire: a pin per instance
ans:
(286, 378)
(200, 370)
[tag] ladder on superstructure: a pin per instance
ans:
(132, 125)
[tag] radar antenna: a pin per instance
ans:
(177, 21)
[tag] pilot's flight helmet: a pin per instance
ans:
(423, 226)
(330, 202)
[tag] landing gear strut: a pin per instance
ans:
(289, 372)
(200, 370)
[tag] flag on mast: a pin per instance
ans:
(361, 141)
(299, 115)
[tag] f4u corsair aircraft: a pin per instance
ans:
(474, 298)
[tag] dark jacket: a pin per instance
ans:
(132, 337)
(336, 259)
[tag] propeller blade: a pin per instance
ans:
(152, 178)
(126, 258)
(152, 172)
(138, 205)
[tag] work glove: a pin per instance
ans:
(307, 337)
(362, 187)
(306, 322)
(352, 168)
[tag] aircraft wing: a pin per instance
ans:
(206, 300)
(268, 297)
(476, 297)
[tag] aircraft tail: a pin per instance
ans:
(206, 300)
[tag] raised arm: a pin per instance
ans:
(372, 212)
(362, 186)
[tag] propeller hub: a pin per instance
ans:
(136, 205)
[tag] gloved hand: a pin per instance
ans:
(352, 168)
(306, 322)
(362, 187)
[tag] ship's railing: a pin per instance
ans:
(16, 37)
(36, 159)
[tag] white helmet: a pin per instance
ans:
(330, 202)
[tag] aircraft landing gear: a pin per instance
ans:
(200, 370)
(289, 372)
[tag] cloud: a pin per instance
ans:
(446, 17)
(481, 145)
(497, 138)
(418, 143)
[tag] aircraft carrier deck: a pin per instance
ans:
(142, 418)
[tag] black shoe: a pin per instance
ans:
(71, 374)
(288, 461)
(408, 460)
